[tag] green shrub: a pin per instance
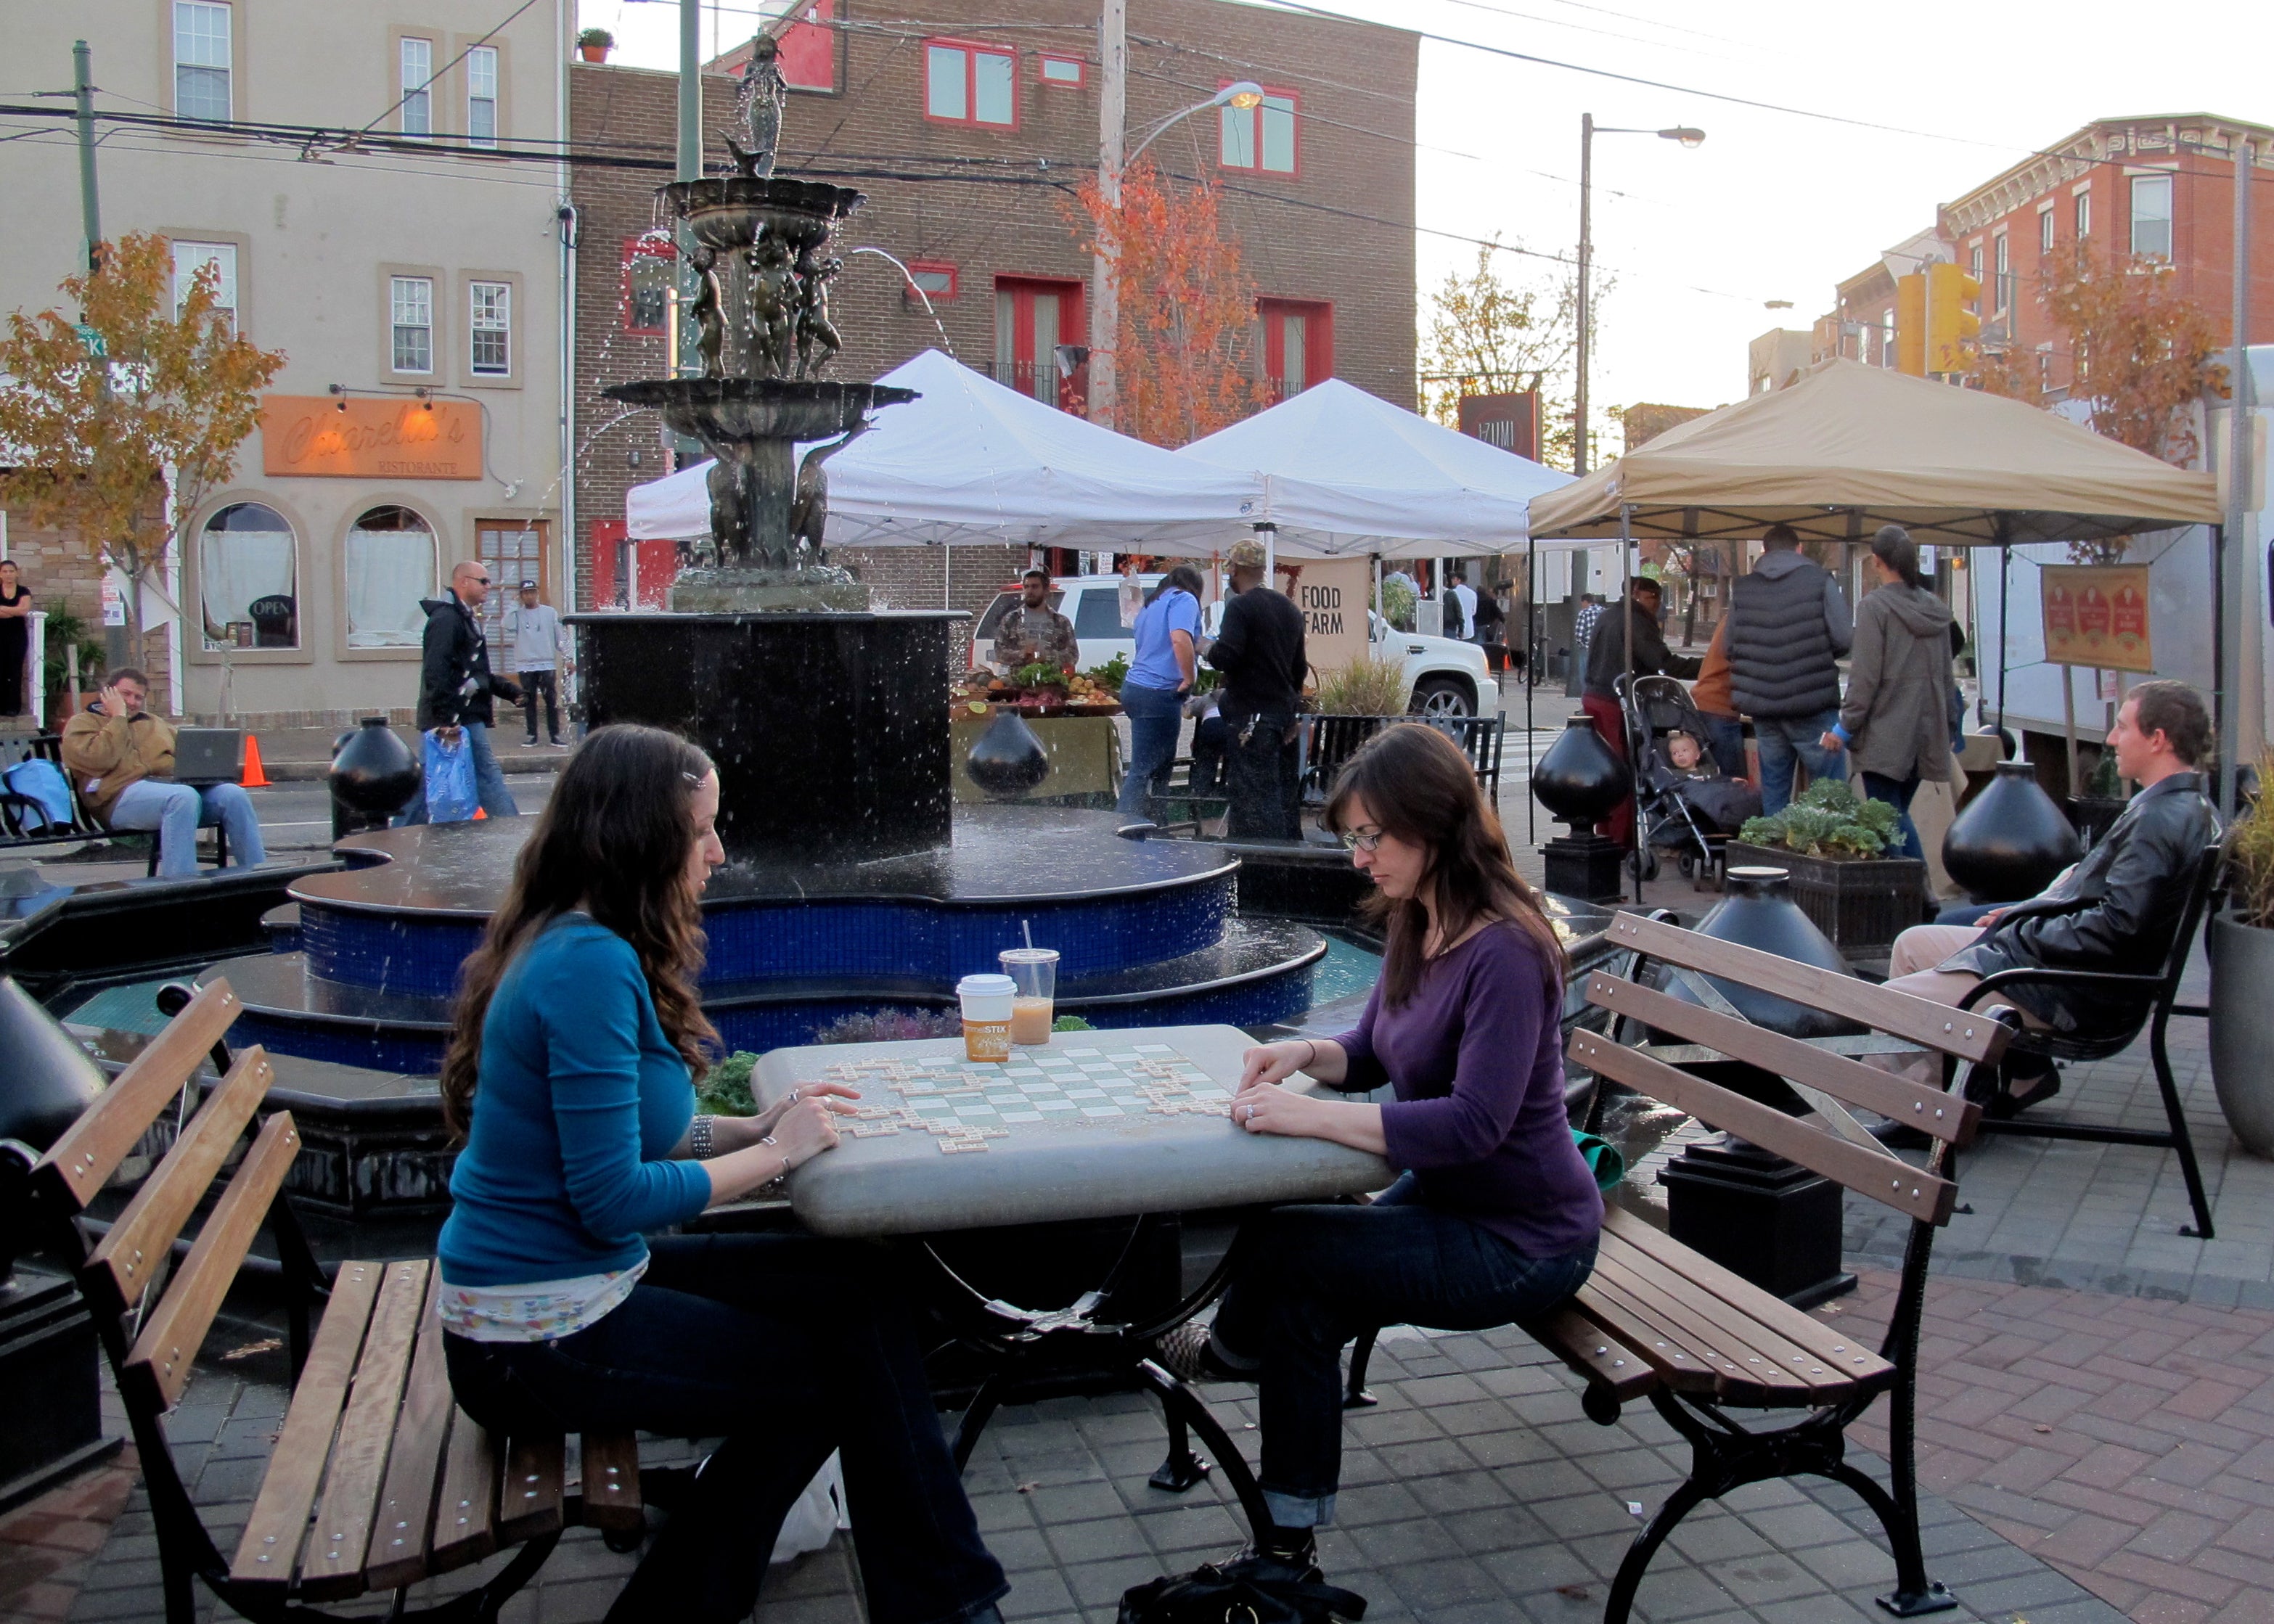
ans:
(1367, 686)
(1828, 820)
(1110, 675)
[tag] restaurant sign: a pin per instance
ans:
(2097, 614)
(371, 438)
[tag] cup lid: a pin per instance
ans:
(1028, 955)
(986, 986)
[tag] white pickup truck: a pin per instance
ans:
(1443, 675)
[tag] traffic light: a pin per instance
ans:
(1910, 324)
(1951, 327)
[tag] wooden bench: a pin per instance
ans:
(377, 1480)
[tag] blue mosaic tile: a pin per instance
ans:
(403, 953)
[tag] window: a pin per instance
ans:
(1973, 265)
(482, 95)
(489, 330)
(1098, 615)
(1067, 73)
(201, 60)
(1886, 338)
(936, 278)
(2151, 215)
(2083, 215)
(971, 85)
(189, 259)
(1259, 138)
(390, 567)
(650, 264)
(2045, 230)
(412, 314)
(418, 73)
(513, 552)
(2044, 369)
(1032, 319)
(1299, 345)
(2002, 293)
(247, 592)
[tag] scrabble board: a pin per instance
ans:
(1096, 1124)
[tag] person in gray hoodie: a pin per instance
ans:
(1895, 721)
(1789, 625)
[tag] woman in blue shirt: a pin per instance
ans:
(568, 1070)
(1160, 676)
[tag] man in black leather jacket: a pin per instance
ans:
(2117, 910)
(456, 685)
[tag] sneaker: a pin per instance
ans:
(528, 744)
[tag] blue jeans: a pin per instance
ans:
(793, 1347)
(489, 782)
(1725, 742)
(178, 811)
(1311, 1278)
(1156, 716)
(1782, 739)
(1968, 913)
(1897, 793)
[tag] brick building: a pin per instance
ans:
(969, 135)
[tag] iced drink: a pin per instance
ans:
(1034, 971)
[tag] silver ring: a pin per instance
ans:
(793, 1095)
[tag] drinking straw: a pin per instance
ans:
(1028, 926)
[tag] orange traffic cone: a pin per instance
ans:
(480, 813)
(253, 778)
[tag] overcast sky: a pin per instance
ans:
(1774, 204)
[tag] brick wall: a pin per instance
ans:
(60, 570)
(994, 203)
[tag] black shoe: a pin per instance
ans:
(2022, 1089)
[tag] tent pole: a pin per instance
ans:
(1626, 666)
(2005, 609)
(1531, 670)
(2222, 793)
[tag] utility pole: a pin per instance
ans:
(90, 214)
(1112, 115)
(2234, 562)
(1586, 196)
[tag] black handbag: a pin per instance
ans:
(1251, 1590)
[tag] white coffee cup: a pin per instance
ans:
(986, 1001)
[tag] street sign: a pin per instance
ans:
(95, 346)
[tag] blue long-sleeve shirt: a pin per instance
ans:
(580, 1101)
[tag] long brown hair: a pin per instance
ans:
(1418, 786)
(613, 840)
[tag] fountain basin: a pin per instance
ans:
(725, 212)
(729, 410)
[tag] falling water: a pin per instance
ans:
(910, 277)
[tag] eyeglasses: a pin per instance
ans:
(1352, 840)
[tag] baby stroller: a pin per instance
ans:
(1690, 813)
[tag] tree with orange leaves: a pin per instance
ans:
(140, 394)
(1182, 352)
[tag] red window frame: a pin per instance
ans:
(1318, 338)
(638, 248)
(941, 267)
(1255, 114)
(1074, 324)
(972, 49)
(1080, 64)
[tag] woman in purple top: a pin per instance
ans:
(1495, 1215)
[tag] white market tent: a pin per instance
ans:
(971, 461)
(1347, 473)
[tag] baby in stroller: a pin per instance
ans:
(1683, 802)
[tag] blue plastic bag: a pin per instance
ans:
(40, 782)
(451, 796)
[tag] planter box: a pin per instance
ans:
(1861, 903)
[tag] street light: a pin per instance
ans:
(1588, 130)
(1246, 94)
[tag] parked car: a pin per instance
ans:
(1443, 675)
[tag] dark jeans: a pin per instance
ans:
(1897, 793)
(1311, 1278)
(1156, 716)
(1725, 742)
(1968, 913)
(534, 683)
(1211, 734)
(791, 1347)
(1259, 765)
(1783, 740)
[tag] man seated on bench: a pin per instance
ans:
(2115, 910)
(120, 756)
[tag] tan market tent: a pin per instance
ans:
(1849, 447)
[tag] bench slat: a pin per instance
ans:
(164, 1353)
(1739, 1339)
(611, 1483)
(403, 1528)
(1827, 1342)
(1583, 1345)
(1606, 1305)
(1922, 1020)
(465, 1508)
(127, 1258)
(1931, 1111)
(529, 1502)
(1885, 1178)
(341, 1535)
(77, 1165)
(270, 1549)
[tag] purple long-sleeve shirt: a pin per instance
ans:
(1475, 1057)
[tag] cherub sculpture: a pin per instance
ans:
(708, 312)
(818, 338)
(759, 102)
(774, 301)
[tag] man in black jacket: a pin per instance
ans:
(455, 686)
(2115, 910)
(1260, 651)
(1641, 651)
(1789, 625)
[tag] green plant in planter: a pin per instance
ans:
(2250, 857)
(63, 629)
(1827, 820)
(2103, 780)
(600, 37)
(1368, 686)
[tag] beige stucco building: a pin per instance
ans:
(413, 281)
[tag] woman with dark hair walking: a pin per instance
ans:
(1895, 723)
(1160, 675)
(567, 1072)
(1494, 1216)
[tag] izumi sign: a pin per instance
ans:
(310, 435)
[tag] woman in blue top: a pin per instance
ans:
(1160, 676)
(568, 1072)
